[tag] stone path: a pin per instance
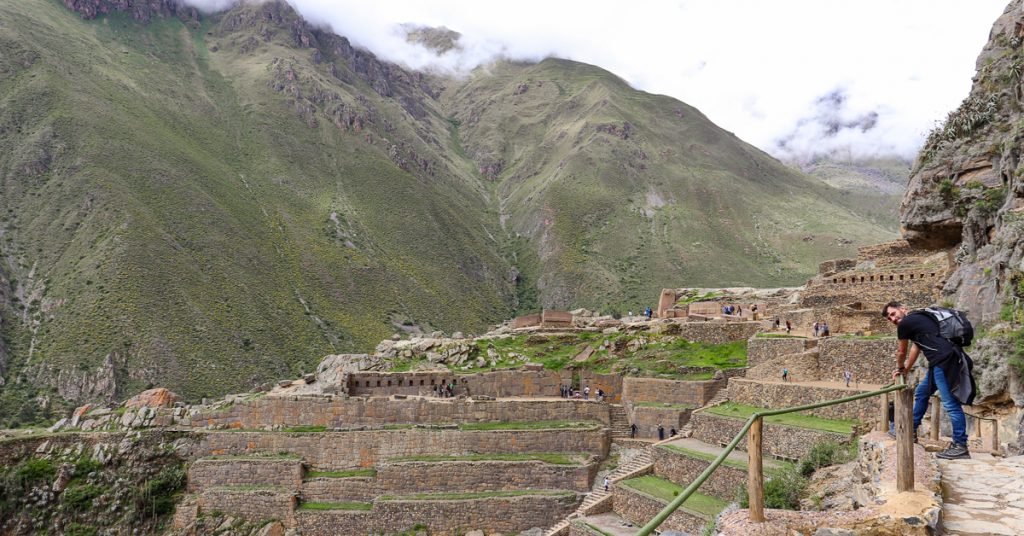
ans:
(983, 495)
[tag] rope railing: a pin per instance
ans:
(755, 421)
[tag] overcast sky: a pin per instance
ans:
(794, 77)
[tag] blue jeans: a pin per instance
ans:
(936, 380)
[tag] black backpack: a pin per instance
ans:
(953, 325)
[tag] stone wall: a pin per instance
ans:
(450, 476)
(894, 253)
(647, 419)
(251, 505)
(876, 288)
(717, 332)
(784, 395)
(501, 515)
(369, 448)
(801, 367)
(340, 413)
(501, 383)
(836, 265)
(692, 393)
(610, 383)
(640, 508)
(870, 360)
(350, 489)
(786, 442)
(209, 473)
(763, 349)
(683, 470)
(458, 476)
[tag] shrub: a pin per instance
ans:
(822, 455)
(79, 497)
(156, 497)
(783, 491)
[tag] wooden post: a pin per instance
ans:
(934, 432)
(904, 440)
(755, 472)
(883, 413)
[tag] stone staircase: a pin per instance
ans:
(642, 462)
(619, 421)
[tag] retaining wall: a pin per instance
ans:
(450, 476)
(251, 505)
(693, 393)
(337, 412)
(715, 332)
(349, 450)
(787, 442)
(763, 349)
(205, 474)
(641, 508)
(683, 470)
(647, 419)
(784, 395)
(870, 360)
(502, 515)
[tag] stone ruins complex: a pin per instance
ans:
(357, 449)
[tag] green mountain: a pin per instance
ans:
(211, 203)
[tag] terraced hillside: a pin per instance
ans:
(211, 203)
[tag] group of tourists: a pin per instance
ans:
(445, 390)
(566, 391)
(821, 329)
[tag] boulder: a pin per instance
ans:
(153, 398)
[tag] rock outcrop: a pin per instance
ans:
(965, 191)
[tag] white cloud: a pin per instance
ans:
(756, 68)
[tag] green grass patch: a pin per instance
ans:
(667, 490)
(526, 425)
(467, 496)
(319, 506)
(799, 420)
(554, 458)
(350, 473)
(305, 428)
(766, 335)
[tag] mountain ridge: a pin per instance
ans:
(213, 202)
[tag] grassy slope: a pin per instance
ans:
(177, 197)
(679, 200)
(183, 220)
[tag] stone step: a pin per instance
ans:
(641, 462)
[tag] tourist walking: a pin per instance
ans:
(789, 326)
(949, 371)
(606, 483)
(632, 431)
(847, 375)
(661, 432)
(785, 374)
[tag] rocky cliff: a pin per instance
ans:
(965, 191)
(966, 195)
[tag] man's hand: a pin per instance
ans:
(898, 372)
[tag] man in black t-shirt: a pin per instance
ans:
(920, 332)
